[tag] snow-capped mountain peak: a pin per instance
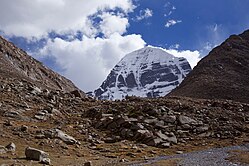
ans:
(147, 72)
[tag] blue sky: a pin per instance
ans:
(83, 39)
(202, 22)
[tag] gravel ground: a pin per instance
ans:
(210, 157)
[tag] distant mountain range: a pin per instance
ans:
(148, 72)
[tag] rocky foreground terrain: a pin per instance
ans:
(74, 130)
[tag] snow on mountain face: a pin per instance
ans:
(148, 72)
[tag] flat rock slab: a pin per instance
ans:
(35, 154)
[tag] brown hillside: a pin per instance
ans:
(16, 64)
(223, 74)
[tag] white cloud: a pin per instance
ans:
(172, 22)
(88, 61)
(143, 14)
(113, 24)
(37, 18)
(193, 57)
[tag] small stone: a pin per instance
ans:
(130, 154)
(8, 123)
(123, 160)
(45, 161)
(11, 147)
(165, 145)
(179, 152)
(88, 163)
(24, 128)
(110, 140)
(2, 149)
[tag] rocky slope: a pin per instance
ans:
(148, 72)
(16, 64)
(223, 74)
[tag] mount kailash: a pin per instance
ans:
(147, 72)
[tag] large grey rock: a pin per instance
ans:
(155, 142)
(142, 135)
(56, 133)
(66, 138)
(169, 138)
(169, 118)
(185, 120)
(35, 154)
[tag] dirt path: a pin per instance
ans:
(210, 157)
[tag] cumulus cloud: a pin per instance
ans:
(143, 14)
(88, 61)
(172, 22)
(193, 57)
(113, 24)
(36, 18)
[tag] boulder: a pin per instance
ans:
(65, 138)
(142, 135)
(35, 154)
(169, 118)
(56, 133)
(169, 138)
(185, 120)
(155, 142)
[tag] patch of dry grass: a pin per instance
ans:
(239, 156)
